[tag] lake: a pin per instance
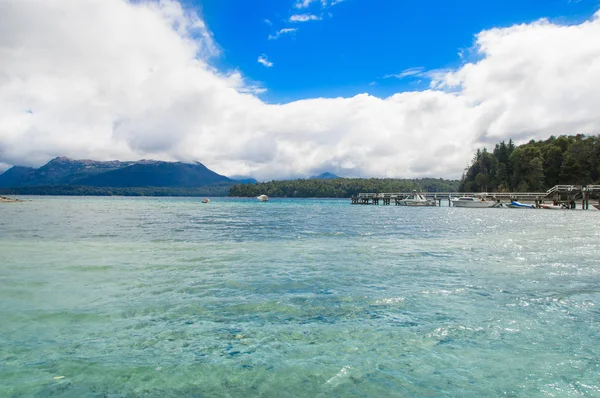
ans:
(169, 297)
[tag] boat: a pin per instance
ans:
(518, 205)
(551, 207)
(262, 198)
(469, 201)
(205, 200)
(416, 199)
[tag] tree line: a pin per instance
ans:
(534, 167)
(220, 189)
(341, 187)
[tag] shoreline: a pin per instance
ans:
(4, 199)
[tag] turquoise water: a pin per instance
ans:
(168, 297)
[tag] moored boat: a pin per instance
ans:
(551, 207)
(416, 199)
(469, 201)
(262, 198)
(518, 205)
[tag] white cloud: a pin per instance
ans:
(416, 71)
(120, 80)
(264, 60)
(435, 76)
(304, 18)
(304, 3)
(268, 21)
(281, 32)
(300, 4)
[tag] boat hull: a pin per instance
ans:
(519, 205)
(415, 204)
(480, 205)
(551, 207)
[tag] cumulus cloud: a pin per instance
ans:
(304, 18)
(533, 80)
(118, 80)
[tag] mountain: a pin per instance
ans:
(15, 176)
(63, 171)
(325, 176)
(243, 179)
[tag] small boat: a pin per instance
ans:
(551, 207)
(416, 200)
(262, 198)
(518, 205)
(205, 200)
(469, 201)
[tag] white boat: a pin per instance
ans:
(262, 198)
(205, 200)
(469, 201)
(416, 200)
(551, 207)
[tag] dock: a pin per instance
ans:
(570, 195)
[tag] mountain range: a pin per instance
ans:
(63, 171)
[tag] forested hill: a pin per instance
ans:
(341, 187)
(535, 166)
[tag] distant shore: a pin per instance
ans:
(4, 199)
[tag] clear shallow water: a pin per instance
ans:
(168, 297)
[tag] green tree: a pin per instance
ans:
(576, 165)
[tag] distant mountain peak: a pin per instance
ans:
(60, 159)
(325, 176)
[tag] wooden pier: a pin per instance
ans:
(569, 195)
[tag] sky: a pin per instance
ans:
(292, 88)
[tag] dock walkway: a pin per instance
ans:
(567, 194)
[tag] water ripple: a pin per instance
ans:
(128, 297)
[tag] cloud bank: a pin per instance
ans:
(117, 80)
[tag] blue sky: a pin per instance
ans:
(357, 43)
